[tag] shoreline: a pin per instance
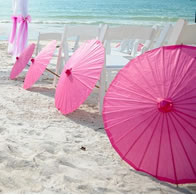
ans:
(34, 29)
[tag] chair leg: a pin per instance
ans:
(59, 61)
(102, 90)
(109, 78)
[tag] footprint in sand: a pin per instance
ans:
(70, 179)
(64, 162)
(2, 129)
(48, 148)
(87, 188)
(83, 187)
(101, 190)
(20, 164)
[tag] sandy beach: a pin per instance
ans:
(40, 149)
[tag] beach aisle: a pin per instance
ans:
(42, 151)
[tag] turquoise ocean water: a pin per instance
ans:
(55, 13)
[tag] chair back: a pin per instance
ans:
(47, 37)
(163, 36)
(188, 35)
(78, 33)
(176, 33)
(127, 34)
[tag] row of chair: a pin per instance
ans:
(122, 43)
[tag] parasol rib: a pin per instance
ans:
(182, 144)
(171, 149)
(149, 142)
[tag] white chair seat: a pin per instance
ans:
(119, 53)
(115, 62)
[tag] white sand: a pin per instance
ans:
(40, 148)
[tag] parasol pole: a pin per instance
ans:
(59, 76)
(52, 72)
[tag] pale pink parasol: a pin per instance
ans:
(79, 76)
(149, 113)
(22, 61)
(39, 64)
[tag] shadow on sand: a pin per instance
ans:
(179, 188)
(80, 116)
(50, 92)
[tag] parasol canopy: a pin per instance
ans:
(149, 113)
(22, 61)
(79, 76)
(39, 64)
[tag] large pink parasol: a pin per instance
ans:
(149, 113)
(22, 61)
(39, 64)
(79, 76)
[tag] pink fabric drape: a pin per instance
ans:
(22, 34)
(19, 32)
(13, 31)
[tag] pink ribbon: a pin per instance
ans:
(14, 27)
(24, 19)
(22, 34)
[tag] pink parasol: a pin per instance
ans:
(79, 76)
(149, 113)
(22, 61)
(39, 64)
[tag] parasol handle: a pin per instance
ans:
(59, 76)
(52, 72)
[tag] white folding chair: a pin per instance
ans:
(177, 32)
(163, 36)
(126, 34)
(60, 54)
(183, 33)
(73, 35)
(189, 35)
(116, 60)
(80, 33)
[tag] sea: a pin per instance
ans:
(53, 14)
